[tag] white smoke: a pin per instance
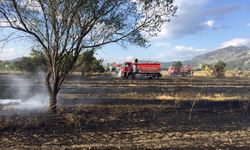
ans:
(9, 101)
(29, 94)
(37, 102)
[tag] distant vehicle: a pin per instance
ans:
(173, 71)
(141, 69)
(114, 67)
(186, 70)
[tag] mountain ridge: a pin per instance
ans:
(234, 57)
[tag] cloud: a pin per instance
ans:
(236, 42)
(209, 23)
(248, 25)
(4, 23)
(9, 53)
(221, 10)
(183, 52)
(180, 52)
(130, 58)
(192, 18)
(162, 44)
(32, 5)
(186, 22)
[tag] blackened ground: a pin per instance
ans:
(110, 113)
(127, 127)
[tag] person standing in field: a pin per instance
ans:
(134, 68)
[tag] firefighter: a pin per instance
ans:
(208, 71)
(126, 73)
(134, 68)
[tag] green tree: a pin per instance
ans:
(219, 69)
(85, 60)
(87, 63)
(177, 64)
(98, 66)
(62, 29)
(25, 64)
(38, 60)
(32, 64)
(1, 65)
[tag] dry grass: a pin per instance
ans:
(32, 121)
(128, 95)
(164, 73)
(158, 96)
(214, 97)
(132, 85)
(166, 97)
(221, 97)
(201, 73)
(72, 120)
(75, 96)
(228, 73)
(23, 121)
(5, 122)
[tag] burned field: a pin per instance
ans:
(102, 112)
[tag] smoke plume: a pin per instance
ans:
(27, 94)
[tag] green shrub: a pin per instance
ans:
(219, 69)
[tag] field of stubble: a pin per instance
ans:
(102, 112)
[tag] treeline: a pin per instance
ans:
(86, 63)
(217, 70)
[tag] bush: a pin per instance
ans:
(177, 64)
(219, 69)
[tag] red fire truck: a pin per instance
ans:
(141, 69)
(183, 71)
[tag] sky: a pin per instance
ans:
(199, 27)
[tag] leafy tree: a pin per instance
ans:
(98, 66)
(38, 60)
(62, 29)
(219, 69)
(26, 64)
(2, 65)
(87, 62)
(32, 64)
(178, 64)
(7, 65)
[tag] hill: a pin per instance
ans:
(234, 57)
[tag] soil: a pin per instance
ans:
(103, 112)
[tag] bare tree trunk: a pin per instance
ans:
(52, 94)
(52, 104)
